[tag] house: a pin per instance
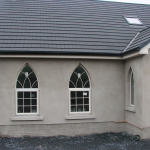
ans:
(74, 67)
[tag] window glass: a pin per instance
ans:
(86, 108)
(19, 85)
(33, 94)
(32, 78)
(27, 109)
(26, 94)
(27, 78)
(20, 94)
(35, 84)
(71, 85)
(86, 100)
(133, 20)
(27, 102)
(27, 69)
(20, 101)
(79, 79)
(73, 108)
(79, 69)
(34, 109)
(87, 84)
(33, 102)
(74, 78)
(79, 93)
(72, 94)
(80, 102)
(20, 109)
(21, 79)
(79, 83)
(84, 78)
(27, 83)
(132, 89)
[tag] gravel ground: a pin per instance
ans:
(105, 141)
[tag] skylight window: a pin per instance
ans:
(133, 20)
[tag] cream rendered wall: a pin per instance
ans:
(134, 118)
(107, 89)
(146, 105)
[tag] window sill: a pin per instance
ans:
(131, 109)
(78, 117)
(27, 118)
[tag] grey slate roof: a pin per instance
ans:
(68, 26)
(142, 39)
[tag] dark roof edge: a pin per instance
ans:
(130, 51)
(58, 53)
(144, 44)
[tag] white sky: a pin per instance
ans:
(132, 1)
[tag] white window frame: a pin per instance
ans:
(27, 90)
(131, 89)
(80, 89)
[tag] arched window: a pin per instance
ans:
(27, 91)
(131, 89)
(79, 88)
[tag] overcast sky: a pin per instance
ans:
(132, 1)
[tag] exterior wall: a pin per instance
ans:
(146, 104)
(63, 129)
(134, 118)
(107, 89)
(132, 129)
(138, 122)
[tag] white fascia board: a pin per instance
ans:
(72, 57)
(61, 56)
(131, 55)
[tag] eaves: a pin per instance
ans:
(134, 53)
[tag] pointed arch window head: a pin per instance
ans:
(79, 78)
(27, 78)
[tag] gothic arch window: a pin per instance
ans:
(27, 92)
(79, 91)
(131, 89)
